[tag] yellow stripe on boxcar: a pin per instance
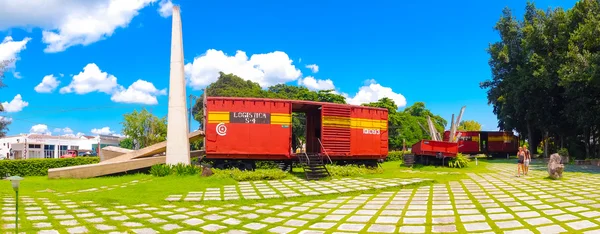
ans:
(279, 118)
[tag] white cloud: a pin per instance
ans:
(15, 105)
(265, 69)
(316, 84)
(102, 131)
(313, 67)
(140, 91)
(373, 91)
(9, 49)
(67, 23)
(5, 119)
(165, 8)
(91, 79)
(17, 75)
(48, 84)
(40, 129)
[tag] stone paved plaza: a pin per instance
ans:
(482, 203)
(290, 188)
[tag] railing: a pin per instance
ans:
(325, 151)
(307, 159)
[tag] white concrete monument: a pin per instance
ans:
(178, 144)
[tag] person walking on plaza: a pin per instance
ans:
(527, 160)
(520, 159)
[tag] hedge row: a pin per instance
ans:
(39, 167)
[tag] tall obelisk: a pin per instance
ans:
(178, 144)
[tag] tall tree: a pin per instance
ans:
(3, 122)
(144, 128)
(469, 125)
(545, 76)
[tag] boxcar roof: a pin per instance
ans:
(295, 102)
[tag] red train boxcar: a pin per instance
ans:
(486, 142)
(261, 129)
(435, 148)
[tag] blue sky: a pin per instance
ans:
(428, 51)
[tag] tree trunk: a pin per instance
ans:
(586, 143)
(546, 144)
(531, 139)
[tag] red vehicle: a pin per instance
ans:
(426, 150)
(70, 154)
(486, 142)
(250, 129)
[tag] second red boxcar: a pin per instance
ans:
(435, 148)
(486, 142)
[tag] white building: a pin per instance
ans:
(27, 146)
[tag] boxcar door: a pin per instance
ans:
(335, 134)
(483, 142)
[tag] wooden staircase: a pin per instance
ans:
(313, 166)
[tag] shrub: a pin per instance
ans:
(563, 152)
(40, 166)
(394, 156)
(460, 161)
(183, 170)
(266, 165)
(352, 170)
(160, 170)
(258, 174)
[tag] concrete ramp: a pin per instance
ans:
(124, 160)
(100, 169)
(109, 152)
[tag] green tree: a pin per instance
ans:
(404, 125)
(126, 143)
(144, 127)
(3, 122)
(545, 77)
(469, 125)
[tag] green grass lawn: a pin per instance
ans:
(153, 190)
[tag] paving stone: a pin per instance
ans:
(255, 226)
(538, 221)
(578, 225)
(157, 220)
(213, 227)
(519, 231)
(144, 231)
(509, 224)
(76, 230)
(103, 227)
(48, 232)
(295, 223)
(170, 227)
(351, 227)
(412, 229)
(281, 230)
(231, 221)
(480, 226)
(443, 229)
(553, 229)
(382, 228)
(132, 224)
(565, 217)
(42, 225)
(387, 219)
(501, 216)
(472, 218)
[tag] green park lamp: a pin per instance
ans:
(15, 184)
